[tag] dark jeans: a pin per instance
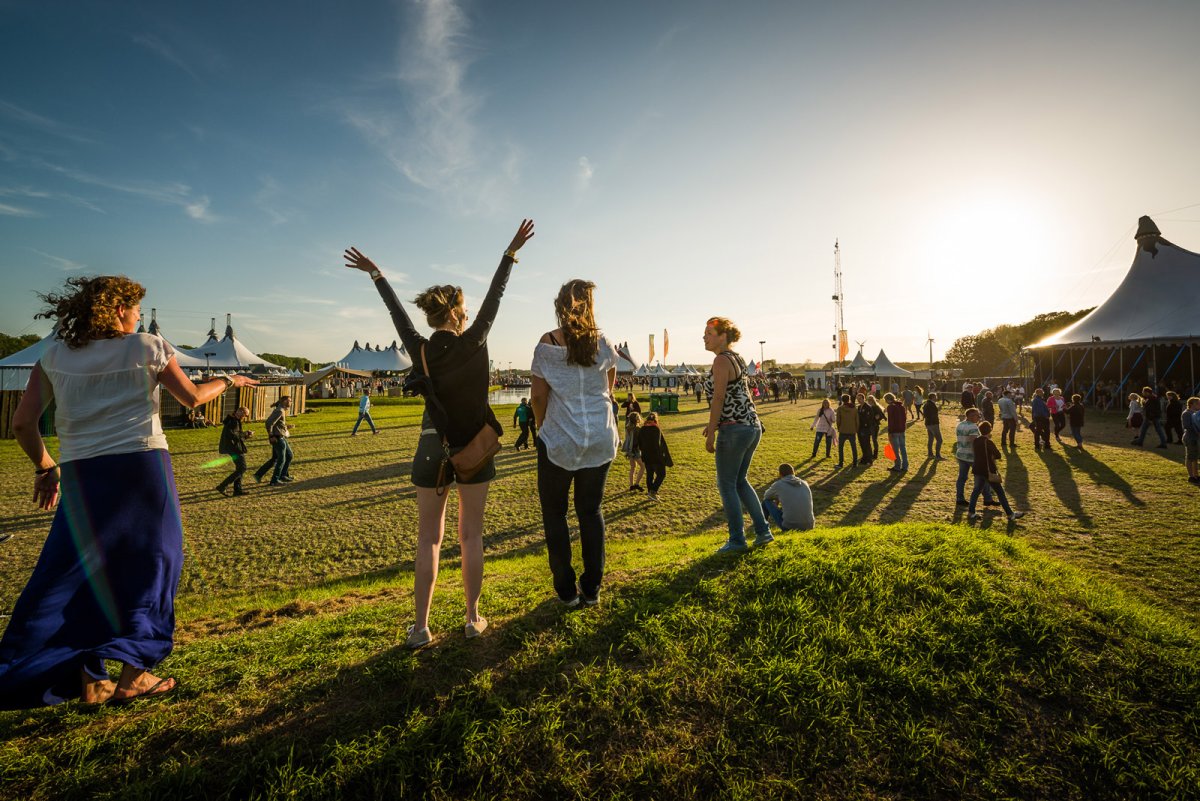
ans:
(964, 470)
(655, 473)
(281, 459)
(817, 443)
(1158, 429)
(1060, 422)
(235, 478)
(864, 444)
(983, 486)
(1041, 431)
(842, 440)
(554, 486)
(364, 416)
(935, 439)
(1009, 433)
(523, 440)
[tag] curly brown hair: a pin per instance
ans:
(86, 309)
(439, 302)
(723, 325)
(577, 317)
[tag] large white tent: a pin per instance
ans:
(227, 353)
(16, 367)
(858, 366)
(376, 360)
(884, 368)
(1146, 332)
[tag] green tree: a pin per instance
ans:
(10, 345)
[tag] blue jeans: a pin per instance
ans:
(364, 416)
(735, 450)
(281, 458)
(773, 510)
(964, 470)
(817, 443)
(982, 486)
(901, 450)
(935, 435)
(842, 440)
(1158, 429)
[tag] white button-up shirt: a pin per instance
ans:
(579, 430)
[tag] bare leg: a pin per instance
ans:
(641, 470)
(472, 498)
(431, 511)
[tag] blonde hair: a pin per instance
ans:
(86, 309)
(576, 315)
(439, 302)
(723, 325)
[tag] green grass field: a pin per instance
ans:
(896, 652)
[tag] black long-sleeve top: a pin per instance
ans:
(458, 362)
(653, 445)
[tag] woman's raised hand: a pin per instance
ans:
(355, 260)
(523, 235)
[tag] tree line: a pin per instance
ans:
(994, 351)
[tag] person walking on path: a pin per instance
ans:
(897, 423)
(1039, 412)
(1190, 422)
(1057, 405)
(987, 473)
(523, 417)
(364, 413)
(965, 434)
(104, 584)
(1008, 419)
(933, 426)
(1174, 416)
(1074, 414)
(233, 445)
(733, 433)
(574, 370)
(452, 367)
(909, 403)
(824, 423)
(1152, 413)
(847, 428)
(788, 502)
(656, 456)
(278, 434)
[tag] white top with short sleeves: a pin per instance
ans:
(106, 395)
(579, 430)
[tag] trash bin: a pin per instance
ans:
(672, 403)
(656, 402)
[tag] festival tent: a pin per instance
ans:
(1147, 331)
(625, 363)
(392, 359)
(643, 371)
(334, 370)
(884, 368)
(682, 369)
(858, 366)
(228, 353)
(15, 368)
(185, 361)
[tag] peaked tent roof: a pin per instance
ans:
(331, 369)
(27, 357)
(625, 362)
(644, 370)
(885, 369)
(1157, 300)
(227, 353)
(367, 359)
(858, 366)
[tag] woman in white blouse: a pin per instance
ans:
(104, 584)
(574, 370)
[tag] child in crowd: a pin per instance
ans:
(636, 468)
(1075, 419)
(656, 456)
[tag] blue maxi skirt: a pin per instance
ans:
(104, 585)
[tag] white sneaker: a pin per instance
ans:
(418, 638)
(1015, 515)
(475, 629)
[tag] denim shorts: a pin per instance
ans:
(428, 459)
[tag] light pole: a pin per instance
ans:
(761, 342)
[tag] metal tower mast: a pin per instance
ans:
(839, 322)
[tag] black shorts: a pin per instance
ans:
(428, 459)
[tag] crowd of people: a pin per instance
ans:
(115, 481)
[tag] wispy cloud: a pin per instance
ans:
(459, 271)
(164, 51)
(268, 197)
(283, 297)
(64, 264)
(436, 143)
(16, 211)
(584, 173)
(198, 210)
(31, 119)
(171, 193)
(42, 194)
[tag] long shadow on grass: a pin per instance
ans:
(395, 690)
(903, 501)
(871, 497)
(1082, 460)
(1062, 479)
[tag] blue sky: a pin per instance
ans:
(980, 162)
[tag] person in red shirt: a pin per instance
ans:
(897, 423)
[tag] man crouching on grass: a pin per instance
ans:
(788, 502)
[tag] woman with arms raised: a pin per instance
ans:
(574, 370)
(104, 585)
(732, 433)
(455, 360)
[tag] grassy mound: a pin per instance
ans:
(905, 661)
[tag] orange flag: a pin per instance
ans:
(651, 350)
(666, 345)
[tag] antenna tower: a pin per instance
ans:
(840, 344)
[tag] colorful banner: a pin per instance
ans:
(666, 345)
(843, 344)
(650, 358)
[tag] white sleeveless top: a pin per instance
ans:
(106, 395)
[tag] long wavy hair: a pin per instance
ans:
(86, 308)
(577, 318)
